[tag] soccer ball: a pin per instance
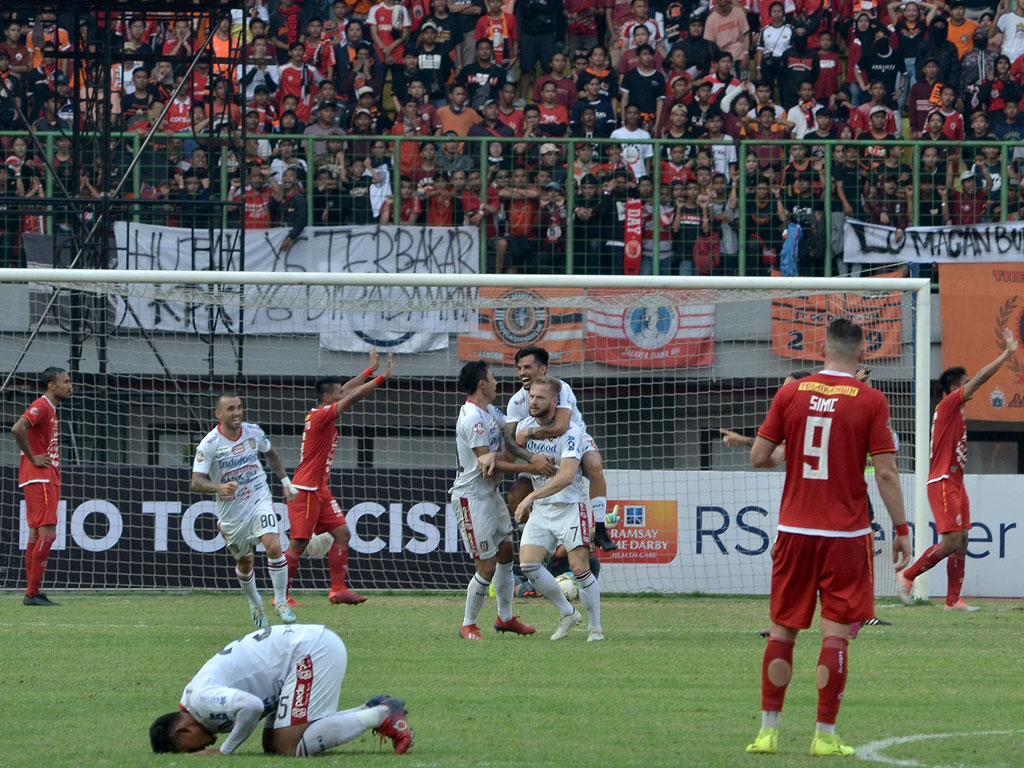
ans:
(570, 588)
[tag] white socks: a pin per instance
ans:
(279, 578)
(826, 727)
(504, 589)
(599, 506)
(770, 719)
(338, 728)
(476, 595)
(545, 583)
(590, 596)
(247, 581)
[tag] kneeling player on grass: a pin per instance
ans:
(483, 517)
(559, 515)
(829, 423)
(946, 494)
(228, 464)
(530, 362)
(291, 675)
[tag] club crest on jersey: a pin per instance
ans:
(478, 428)
(651, 327)
(237, 449)
(200, 456)
(252, 443)
(520, 326)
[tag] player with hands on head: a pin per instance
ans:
(556, 513)
(479, 508)
(290, 675)
(946, 494)
(830, 422)
(314, 509)
(37, 434)
(530, 362)
(228, 465)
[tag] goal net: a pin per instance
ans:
(659, 365)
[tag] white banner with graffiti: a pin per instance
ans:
(865, 243)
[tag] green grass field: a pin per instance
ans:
(676, 684)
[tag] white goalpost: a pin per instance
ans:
(659, 364)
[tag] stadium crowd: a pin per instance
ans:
(354, 74)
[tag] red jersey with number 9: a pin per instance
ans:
(830, 423)
(42, 439)
(319, 442)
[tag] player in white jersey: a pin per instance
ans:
(290, 675)
(559, 514)
(483, 517)
(533, 361)
(228, 464)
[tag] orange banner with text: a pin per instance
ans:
(978, 301)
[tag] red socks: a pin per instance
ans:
(931, 557)
(337, 561)
(776, 672)
(831, 677)
(30, 554)
(36, 563)
(293, 564)
(955, 567)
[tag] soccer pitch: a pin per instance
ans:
(676, 684)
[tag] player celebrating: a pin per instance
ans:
(228, 464)
(291, 675)
(533, 361)
(829, 423)
(314, 510)
(36, 433)
(946, 494)
(559, 513)
(483, 517)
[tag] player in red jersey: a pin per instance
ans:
(315, 510)
(946, 494)
(829, 422)
(36, 433)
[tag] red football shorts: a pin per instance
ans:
(312, 513)
(840, 571)
(950, 508)
(41, 504)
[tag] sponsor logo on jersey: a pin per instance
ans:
(240, 448)
(34, 411)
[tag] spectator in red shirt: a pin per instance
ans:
(967, 207)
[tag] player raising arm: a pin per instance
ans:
(946, 494)
(530, 362)
(37, 434)
(483, 517)
(290, 675)
(830, 422)
(559, 514)
(314, 509)
(228, 464)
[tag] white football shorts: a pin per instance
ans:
(241, 539)
(484, 522)
(313, 684)
(552, 524)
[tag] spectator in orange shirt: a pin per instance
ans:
(521, 199)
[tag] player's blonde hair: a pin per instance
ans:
(550, 381)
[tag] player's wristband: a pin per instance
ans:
(286, 483)
(903, 530)
(368, 373)
(379, 381)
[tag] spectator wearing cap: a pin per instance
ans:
(550, 161)
(964, 208)
(490, 127)
(483, 78)
(943, 51)
(448, 27)
(323, 126)
(644, 87)
(564, 86)
(872, 155)
(457, 116)
(924, 97)
(727, 27)
(433, 62)
(801, 64)
(773, 41)
(860, 118)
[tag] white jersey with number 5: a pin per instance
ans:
(519, 406)
(225, 460)
(568, 445)
(476, 428)
(256, 664)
